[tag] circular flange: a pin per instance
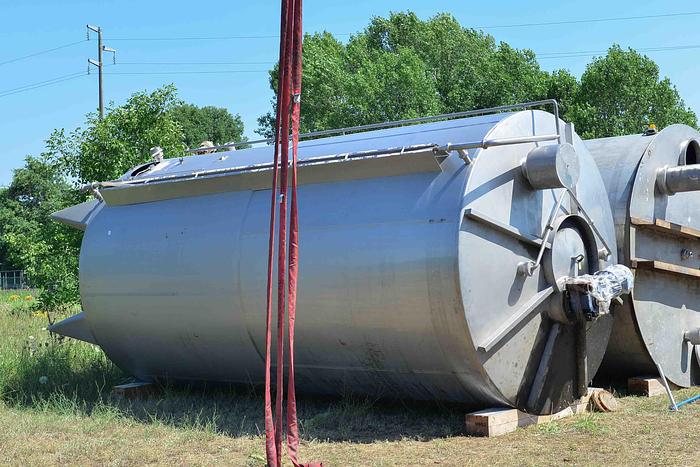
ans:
(572, 253)
(573, 250)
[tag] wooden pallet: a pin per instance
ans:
(647, 386)
(136, 390)
(497, 422)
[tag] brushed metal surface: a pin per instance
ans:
(399, 285)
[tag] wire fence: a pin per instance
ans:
(13, 280)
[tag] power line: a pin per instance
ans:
(592, 20)
(197, 72)
(588, 53)
(48, 82)
(269, 62)
(41, 52)
(41, 84)
(499, 26)
(272, 36)
(544, 55)
(71, 76)
(206, 38)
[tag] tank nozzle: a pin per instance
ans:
(552, 166)
(672, 180)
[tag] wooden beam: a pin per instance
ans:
(666, 227)
(647, 386)
(496, 422)
(137, 390)
(661, 266)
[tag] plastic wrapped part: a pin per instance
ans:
(604, 286)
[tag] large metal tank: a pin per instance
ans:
(652, 181)
(418, 264)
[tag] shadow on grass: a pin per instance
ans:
(77, 379)
(237, 411)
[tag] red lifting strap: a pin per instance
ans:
(288, 95)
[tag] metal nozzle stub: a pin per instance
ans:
(552, 166)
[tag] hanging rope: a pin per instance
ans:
(288, 102)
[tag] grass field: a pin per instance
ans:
(56, 408)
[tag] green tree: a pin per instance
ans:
(622, 93)
(469, 68)
(403, 67)
(354, 84)
(107, 148)
(207, 124)
(564, 87)
(103, 150)
(46, 250)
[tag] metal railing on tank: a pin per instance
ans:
(444, 149)
(410, 121)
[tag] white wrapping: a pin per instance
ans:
(606, 285)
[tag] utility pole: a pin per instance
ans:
(99, 64)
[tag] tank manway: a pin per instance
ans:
(652, 182)
(436, 263)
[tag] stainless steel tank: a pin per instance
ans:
(419, 270)
(652, 181)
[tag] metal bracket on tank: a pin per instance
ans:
(462, 148)
(529, 267)
(487, 143)
(504, 228)
(94, 190)
(524, 314)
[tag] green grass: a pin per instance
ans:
(40, 370)
(57, 407)
(47, 374)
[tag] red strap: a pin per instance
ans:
(292, 428)
(272, 434)
(289, 80)
(282, 237)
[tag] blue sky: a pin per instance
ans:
(27, 118)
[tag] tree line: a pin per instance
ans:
(397, 67)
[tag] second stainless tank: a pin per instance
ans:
(653, 181)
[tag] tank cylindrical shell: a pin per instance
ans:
(658, 236)
(409, 267)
